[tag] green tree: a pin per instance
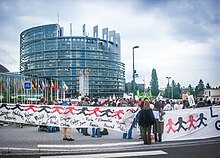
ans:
(167, 92)
(208, 86)
(154, 83)
(199, 90)
(191, 91)
(175, 90)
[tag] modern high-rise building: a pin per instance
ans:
(45, 52)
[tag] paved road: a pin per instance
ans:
(28, 142)
(188, 151)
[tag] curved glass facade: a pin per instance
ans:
(45, 52)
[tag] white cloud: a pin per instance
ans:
(178, 38)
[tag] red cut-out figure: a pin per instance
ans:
(58, 109)
(31, 107)
(95, 111)
(118, 114)
(70, 110)
(170, 124)
(191, 121)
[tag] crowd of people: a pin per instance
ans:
(149, 118)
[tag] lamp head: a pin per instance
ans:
(135, 47)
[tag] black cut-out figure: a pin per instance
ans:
(4, 106)
(180, 122)
(106, 112)
(17, 106)
(170, 124)
(83, 111)
(201, 119)
(132, 110)
(44, 108)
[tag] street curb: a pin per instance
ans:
(49, 151)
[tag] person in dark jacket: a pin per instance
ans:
(146, 120)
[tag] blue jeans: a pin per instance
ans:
(94, 130)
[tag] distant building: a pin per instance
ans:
(128, 87)
(212, 93)
(3, 69)
(45, 52)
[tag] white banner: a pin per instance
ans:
(184, 124)
(115, 118)
(198, 123)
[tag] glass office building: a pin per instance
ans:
(45, 52)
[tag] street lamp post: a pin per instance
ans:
(134, 72)
(168, 78)
(144, 86)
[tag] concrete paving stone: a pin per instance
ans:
(30, 137)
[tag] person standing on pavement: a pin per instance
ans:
(146, 120)
(84, 102)
(95, 131)
(66, 131)
(158, 127)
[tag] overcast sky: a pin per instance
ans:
(179, 38)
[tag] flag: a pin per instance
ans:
(87, 72)
(158, 96)
(34, 86)
(58, 88)
(43, 86)
(149, 95)
(40, 86)
(138, 93)
(47, 86)
(2, 85)
(64, 86)
(22, 89)
(17, 86)
(53, 86)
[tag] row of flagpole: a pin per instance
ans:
(12, 87)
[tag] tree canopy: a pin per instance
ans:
(154, 83)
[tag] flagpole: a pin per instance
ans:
(57, 94)
(30, 102)
(1, 89)
(63, 95)
(22, 92)
(9, 100)
(51, 91)
(38, 88)
(46, 89)
(57, 90)
(14, 90)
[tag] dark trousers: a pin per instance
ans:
(146, 134)
(85, 131)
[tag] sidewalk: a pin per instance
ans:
(28, 140)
